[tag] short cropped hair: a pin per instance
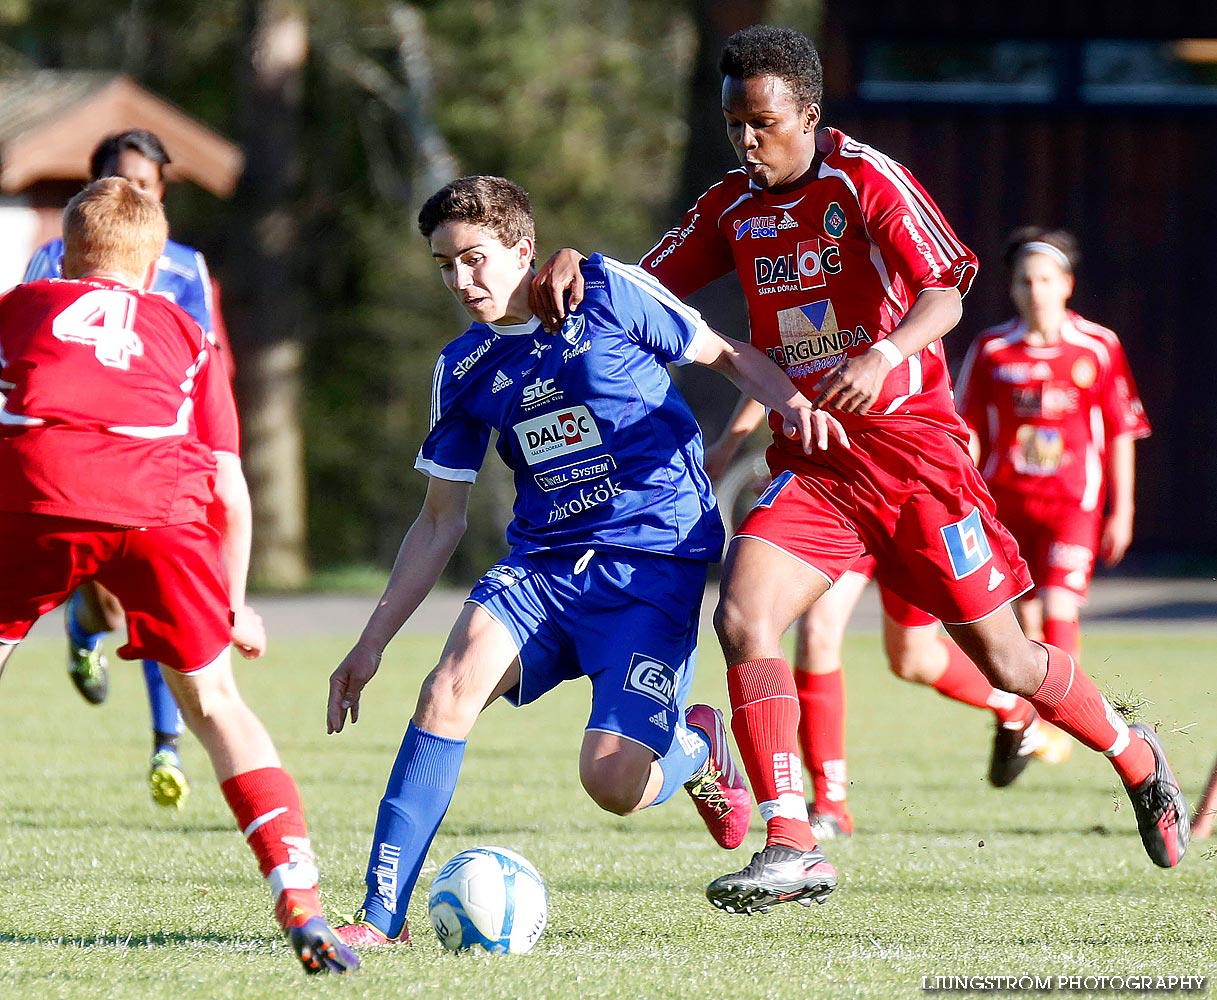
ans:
(112, 227)
(105, 157)
(495, 204)
(767, 50)
(1059, 239)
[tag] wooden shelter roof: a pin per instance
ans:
(51, 120)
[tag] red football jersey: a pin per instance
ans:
(110, 405)
(828, 270)
(1044, 415)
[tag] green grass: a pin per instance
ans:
(103, 895)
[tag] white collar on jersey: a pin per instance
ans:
(517, 329)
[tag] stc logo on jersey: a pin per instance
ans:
(554, 434)
(807, 268)
(543, 390)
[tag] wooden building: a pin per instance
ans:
(50, 122)
(1102, 119)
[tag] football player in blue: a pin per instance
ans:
(181, 276)
(614, 526)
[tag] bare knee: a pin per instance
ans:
(444, 709)
(612, 789)
(916, 657)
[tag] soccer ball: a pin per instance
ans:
(490, 898)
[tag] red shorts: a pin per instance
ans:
(911, 497)
(168, 580)
(1058, 540)
(894, 606)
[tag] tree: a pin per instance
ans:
(262, 290)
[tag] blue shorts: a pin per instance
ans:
(625, 620)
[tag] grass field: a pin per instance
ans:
(106, 896)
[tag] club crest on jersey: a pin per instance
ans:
(573, 329)
(835, 221)
(553, 434)
(967, 548)
(758, 227)
(652, 678)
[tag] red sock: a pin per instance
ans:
(1064, 634)
(1069, 700)
(822, 737)
(765, 721)
(963, 681)
(271, 818)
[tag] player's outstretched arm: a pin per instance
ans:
(547, 296)
(424, 553)
(761, 379)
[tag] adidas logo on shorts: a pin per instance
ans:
(659, 719)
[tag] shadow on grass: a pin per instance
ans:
(157, 939)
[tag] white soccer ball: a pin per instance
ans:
(491, 898)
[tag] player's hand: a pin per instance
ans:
(854, 384)
(1114, 539)
(248, 632)
(557, 287)
(815, 429)
(347, 683)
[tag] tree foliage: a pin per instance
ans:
(583, 102)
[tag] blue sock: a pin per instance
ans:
(684, 758)
(76, 634)
(166, 719)
(418, 794)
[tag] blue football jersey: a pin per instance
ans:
(181, 276)
(604, 450)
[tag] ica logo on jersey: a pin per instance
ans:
(806, 268)
(553, 434)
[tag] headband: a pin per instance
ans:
(1039, 246)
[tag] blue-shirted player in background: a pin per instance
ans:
(181, 276)
(614, 526)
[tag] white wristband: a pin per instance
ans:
(889, 351)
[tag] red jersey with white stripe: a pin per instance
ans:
(111, 407)
(1045, 415)
(828, 270)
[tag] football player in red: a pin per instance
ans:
(916, 651)
(113, 409)
(1054, 416)
(852, 277)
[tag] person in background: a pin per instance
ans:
(180, 275)
(1054, 417)
(112, 408)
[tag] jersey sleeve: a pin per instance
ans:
(215, 410)
(693, 254)
(911, 232)
(455, 447)
(196, 298)
(47, 262)
(652, 316)
(1123, 412)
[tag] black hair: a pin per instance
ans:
(104, 160)
(495, 204)
(767, 50)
